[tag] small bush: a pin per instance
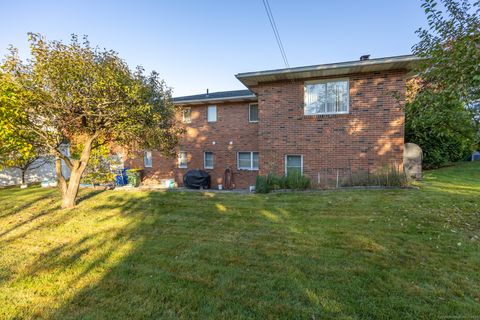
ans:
(282, 182)
(297, 181)
(272, 181)
(261, 185)
(389, 176)
(134, 177)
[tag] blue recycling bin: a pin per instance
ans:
(121, 178)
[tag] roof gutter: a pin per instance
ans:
(332, 69)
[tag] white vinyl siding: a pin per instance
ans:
(187, 115)
(326, 97)
(247, 160)
(212, 113)
(208, 160)
(182, 159)
(253, 112)
(147, 159)
(293, 163)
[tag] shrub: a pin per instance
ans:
(99, 167)
(391, 177)
(441, 125)
(388, 176)
(261, 185)
(297, 181)
(282, 182)
(134, 177)
(275, 182)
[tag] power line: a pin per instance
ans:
(275, 32)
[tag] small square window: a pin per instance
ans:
(187, 115)
(293, 163)
(212, 114)
(182, 159)
(208, 160)
(253, 112)
(147, 159)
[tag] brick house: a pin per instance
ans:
(319, 120)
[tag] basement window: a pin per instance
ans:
(247, 161)
(326, 97)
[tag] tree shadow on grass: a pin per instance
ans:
(172, 255)
(176, 257)
(88, 195)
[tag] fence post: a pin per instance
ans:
(368, 175)
(350, 168)
(337, 178)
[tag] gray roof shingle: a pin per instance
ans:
(223, 95)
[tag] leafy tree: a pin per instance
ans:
(24, 163)
(440, 124)
(99, 167)
(438, 117)
(86, 97)
(18, 149)
(451, 46)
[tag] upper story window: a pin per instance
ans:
(247, 160)
(212, 114)
(187, 115)
(147, 159)
(208, 160)
(182, 159)
(253, 112)
(326, 97)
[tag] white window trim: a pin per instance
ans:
(249, 113)
(179, 163)
(326, 81)
(301, 162)
(216, 112)
(151, 159)
(205, 160)
(251, 161)
(184, 120)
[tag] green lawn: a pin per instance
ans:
(357, 254)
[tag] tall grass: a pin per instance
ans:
(294, 181)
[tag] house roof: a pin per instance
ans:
(212, 97)
(331, 69)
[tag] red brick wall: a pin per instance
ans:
(232, 125)
(370, 136)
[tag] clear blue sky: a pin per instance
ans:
(196, 45)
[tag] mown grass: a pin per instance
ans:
(358, 254)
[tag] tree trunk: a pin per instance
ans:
(23, 177)
(70, 189)
(70, 195)
(62, 184)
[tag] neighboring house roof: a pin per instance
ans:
(332, 69)
(212, 97)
